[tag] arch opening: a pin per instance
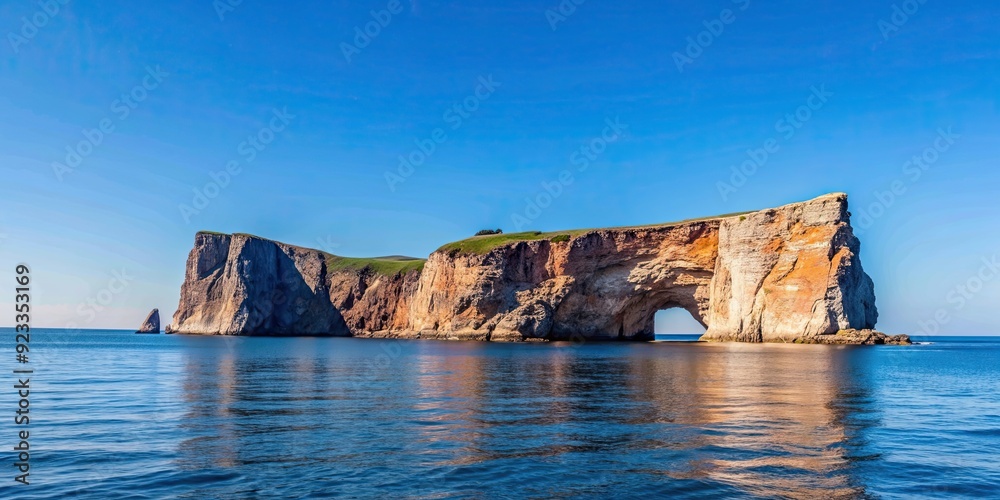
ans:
(637, 316)
(676, 324)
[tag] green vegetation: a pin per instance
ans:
(388, 266)
(248, 235)
(483, 244)
(480, 244)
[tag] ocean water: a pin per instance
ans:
(118, 415)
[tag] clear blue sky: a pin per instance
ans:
(889, 84)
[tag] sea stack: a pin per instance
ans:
(152, 323)
(789, 274)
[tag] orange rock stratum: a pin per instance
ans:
(787, 274)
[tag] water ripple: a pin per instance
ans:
(116, 415)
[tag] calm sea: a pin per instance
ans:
(116, 415)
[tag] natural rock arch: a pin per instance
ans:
(785, 274)
(775, 275)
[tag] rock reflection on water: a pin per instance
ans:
(769, 418)
(714, 418)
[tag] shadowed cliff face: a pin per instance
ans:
(779, 275)
(245, 285)
(242, 285)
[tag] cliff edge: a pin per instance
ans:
(787, 274)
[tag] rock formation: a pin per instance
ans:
(152, 323)
(244, 285)
(788, 274)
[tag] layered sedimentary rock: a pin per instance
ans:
(604, 284)
(789, 274)
(151, 324)
(244, 285)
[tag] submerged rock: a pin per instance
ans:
(152, 323)
(787, 274)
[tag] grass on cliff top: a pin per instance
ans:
(388, 266)
(216, 233)
(483, 244)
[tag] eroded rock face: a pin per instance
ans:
(789, 274)
(151, 324)
(606, 284)
(245, 285)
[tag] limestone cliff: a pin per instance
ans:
(244, 285)
(602, 284)
(789, 274)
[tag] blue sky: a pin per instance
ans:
(180, 87)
